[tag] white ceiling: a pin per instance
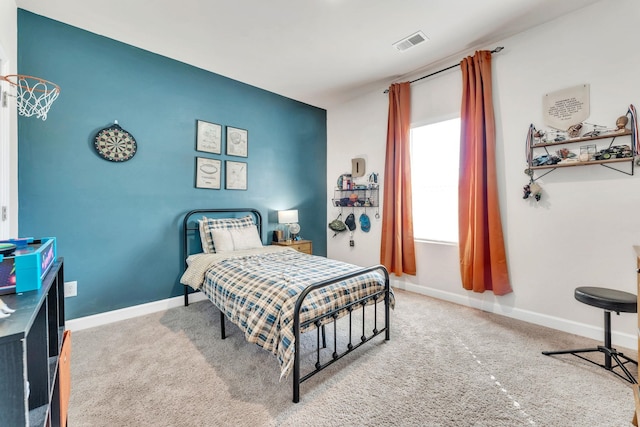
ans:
(321, 52)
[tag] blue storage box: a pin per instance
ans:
(26, 268)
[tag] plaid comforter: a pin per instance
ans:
(258, 292)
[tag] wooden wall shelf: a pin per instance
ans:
(590, 162)
(590, 138)
(606, 163)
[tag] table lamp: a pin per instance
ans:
(290, 219)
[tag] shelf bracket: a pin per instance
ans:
(619, 170)
(544, 174)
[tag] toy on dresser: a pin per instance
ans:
(25, 262)
(5, 311)
(6, 249)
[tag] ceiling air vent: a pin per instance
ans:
(410, 41)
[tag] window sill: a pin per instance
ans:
(435, 242)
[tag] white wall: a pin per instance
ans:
(9, 169)
(583, 229)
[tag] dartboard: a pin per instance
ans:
(115, 144)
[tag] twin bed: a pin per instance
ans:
(274, 293)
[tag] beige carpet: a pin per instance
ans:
(446, 365)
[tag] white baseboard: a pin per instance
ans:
(618, 338)
(582, 329)
(130, 312)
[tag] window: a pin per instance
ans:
(435, 156)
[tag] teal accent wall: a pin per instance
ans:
(118, 224)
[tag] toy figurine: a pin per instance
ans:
(532, 190)
(574, 131)
(5, 311)
(536, 191)
(621, 123)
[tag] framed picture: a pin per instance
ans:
(209, 137)
(237, 142)
(236, 178)
(208, 173)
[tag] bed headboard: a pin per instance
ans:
(190, 229)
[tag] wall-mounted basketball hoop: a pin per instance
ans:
(34, 95)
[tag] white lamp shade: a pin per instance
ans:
(288, 217)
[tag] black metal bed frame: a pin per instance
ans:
(320, 321)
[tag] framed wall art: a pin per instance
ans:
(208, 137)
(208, 173)
(237, 142)
(236, 175)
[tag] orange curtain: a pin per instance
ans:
(483, 261)
(397, 252)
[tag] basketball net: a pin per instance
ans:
(34, 95)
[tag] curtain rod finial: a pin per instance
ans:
(497, 49)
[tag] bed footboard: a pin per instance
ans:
(319, 322)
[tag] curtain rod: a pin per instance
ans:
(496, 50)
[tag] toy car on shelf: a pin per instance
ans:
(545, 159)
(614, 152)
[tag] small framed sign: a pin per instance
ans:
(209, 137)
(208, 173)
(236, 175)
(237, 142)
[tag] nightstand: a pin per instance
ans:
(304, 246)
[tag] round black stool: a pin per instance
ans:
(609, 300)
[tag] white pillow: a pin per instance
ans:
(246, 238)
(235, 239)
(206, 225)
(222, 240)
(205, 238)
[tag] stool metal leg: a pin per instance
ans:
(607, 339)
(609, 353)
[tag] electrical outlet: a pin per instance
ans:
(70, 289)
(352, 243)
